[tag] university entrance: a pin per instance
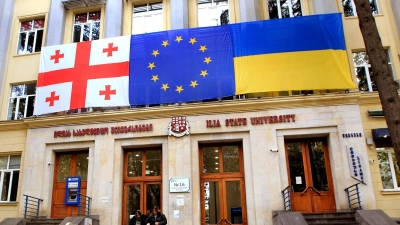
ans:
(310, 177)
(223, 199)
(68, 164)
(142, 182)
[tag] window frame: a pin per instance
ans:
(11, 171)
(389, 152)
(88, 22)
(280, 10)
(148, 13)
(33, 29)
(353, 6)
(18, 101)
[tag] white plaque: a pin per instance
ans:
(176, 213)
(179, 185)
(298, 180)
(180, 200)
(104, 199)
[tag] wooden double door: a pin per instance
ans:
(310, 176)
(68, 164)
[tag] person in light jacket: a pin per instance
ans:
(156, 217)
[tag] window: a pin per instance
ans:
(22, 100)
(390, 173)
(349, 7)
(147, 18)
(9, 175)
(87, 27)
(284, 8)
(365, 78)
(212, 12)
(30, 36)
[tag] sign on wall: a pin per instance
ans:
(179, 185)
(356, 165)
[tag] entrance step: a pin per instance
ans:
(43, 221)
(336, 218)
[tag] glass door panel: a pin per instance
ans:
(317, 164)
(153, 197)
(233, 204)
(133, 193)
(212, 202)
(296, 167)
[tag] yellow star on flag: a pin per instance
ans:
(155, 78)
(204, 73)
(194, 83)
(192, 40)
(155, 53)
(164, 86)
(165, 43)
(151, 66)
(178, 39)
(207, 60)
(179, 89)
(202, 48)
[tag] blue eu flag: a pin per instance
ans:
(181, 66)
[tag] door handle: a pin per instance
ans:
(319, 193)
(302, 193)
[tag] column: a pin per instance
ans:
(56, 23)
(179, 14)
(396, 13)
(249, 10)
(325, 6)
(7, 9)
(113, 21)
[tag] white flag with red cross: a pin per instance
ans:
(82, 75)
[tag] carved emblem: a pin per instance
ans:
(178, 127)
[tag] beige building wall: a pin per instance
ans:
(12, 142)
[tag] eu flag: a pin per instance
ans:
(181, 66)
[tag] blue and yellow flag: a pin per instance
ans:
(301, 53)
(181, 66)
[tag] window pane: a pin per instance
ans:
(132, 201)
(38, 43)
(296, 167)
(317, 163)
(64, 167)
(234, 205)
(77, 33)
(296, 8)
(158, 22)
(31, 105)
(273, 9)
(361, 75)
(15, 162)
(37, 24)
(360, 58)
(17, 90)
(396, 168)
(86, 33)
(348, 8)
(211, 202)
(94, 16)
(374, 6)
(21, 108)
(372, 79)
(95, 31)
(31, 39)
(82, 165)
(26, 26)
(153, 197)
(285, 8)
(81, 18)
(30, 89)
(3, 162)
(210, 160)
(231, 159)
(5, 186)
(134, 164)
(386, 173)
(138, 23)
(212, 14)
(11, 109)
(14, 186)
(153, 163)
(21, 43)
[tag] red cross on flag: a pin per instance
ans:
(82, 75)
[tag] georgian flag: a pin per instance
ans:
(82, 75)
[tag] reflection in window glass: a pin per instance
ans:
(86, 27)
(153, 163)
(349, 8)
(147, 18)
(64, 167)
(135, 164)
(30, 36)
(284, 8)
(210, 160)
(5, 185)
(153, 197)
(82, 165)
(3, 162)
(9, 176)
(212, 12)
(21, 103)
(296, 167)
(317, 164)
(231, 159)
(211, 202)
(234, 204)
(390, 173)
(133, 200)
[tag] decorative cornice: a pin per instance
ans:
(13, 125)
(192, 109)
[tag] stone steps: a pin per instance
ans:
(43, 221)
(336, 218)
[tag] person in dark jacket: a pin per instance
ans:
(138, 219)
(156, 217)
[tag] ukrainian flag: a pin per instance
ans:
(301, 53)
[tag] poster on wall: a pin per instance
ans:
(356, 165)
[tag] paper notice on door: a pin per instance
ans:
(298, 180)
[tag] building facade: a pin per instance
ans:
(228, 160)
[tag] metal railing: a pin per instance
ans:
(32, 206)
(84, 204)
(287, 205)
(353, 197)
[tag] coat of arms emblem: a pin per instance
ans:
(178, 127)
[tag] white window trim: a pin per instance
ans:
(2, 173)
(392, 170)
(18, 98)
(82, 25)
(27, 39)
(212, 7)
(148, 13)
